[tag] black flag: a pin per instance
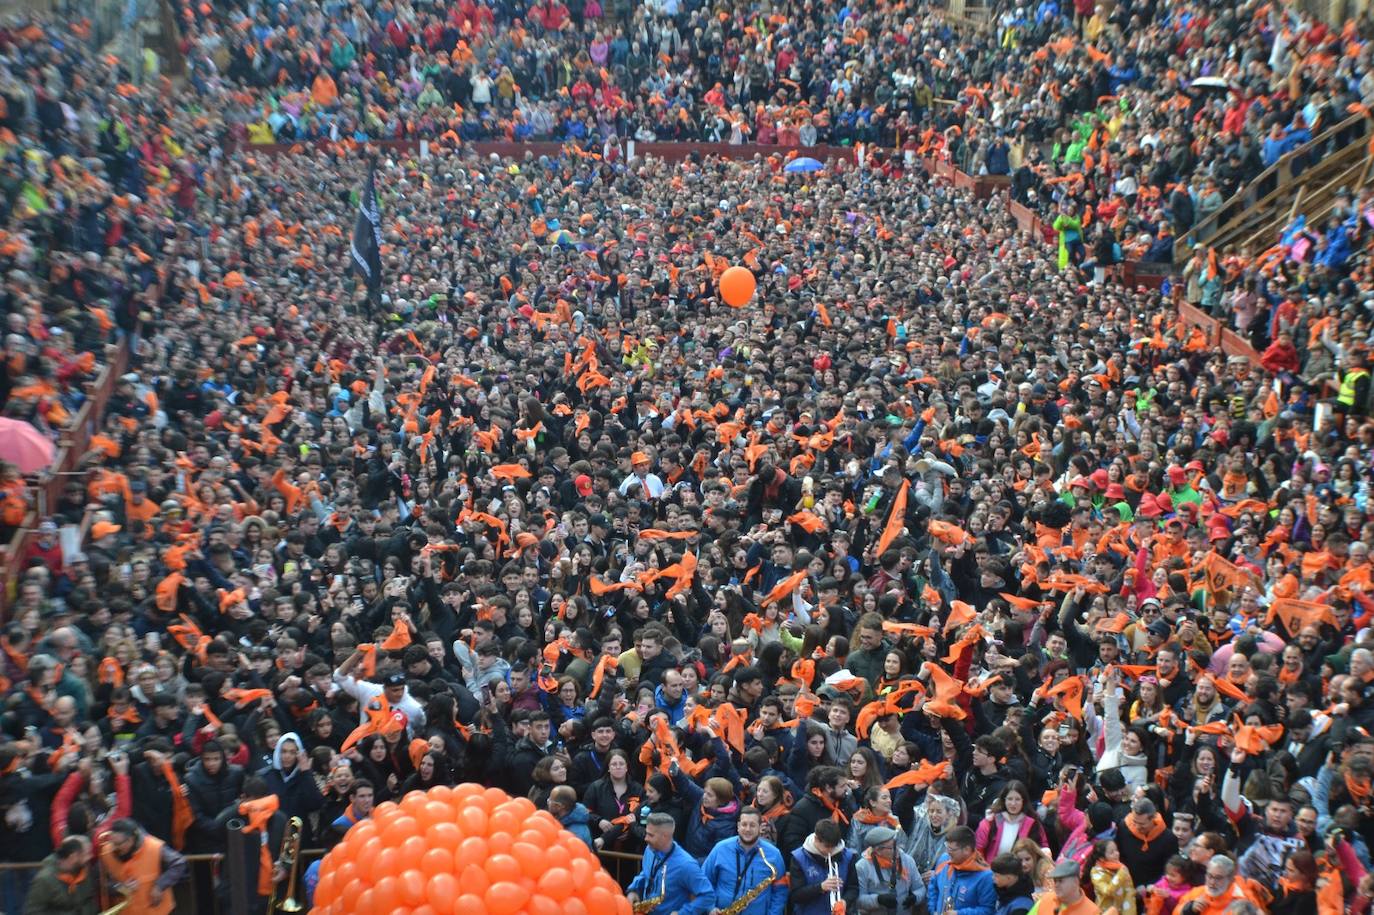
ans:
(367, 257)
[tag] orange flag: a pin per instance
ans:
(656, 534)
(974, 633)
(947, 692)
(952, 534)
(959, 614)
(399, 638)
(896, 521)
(1256, 740)
(369, 662)
(783, 588)
(166, 592)
(924, 774)
(1298, 613)
(242, 697)
(730, 723)
(915, 630)
(1019, 603)
(599, 587)
(1070, 692)
(1229, 689)
(608, 662)
(807, 521)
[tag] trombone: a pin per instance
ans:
(291, 860)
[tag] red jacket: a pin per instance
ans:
(1279, 358)
(67, 795)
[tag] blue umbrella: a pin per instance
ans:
(802, 165)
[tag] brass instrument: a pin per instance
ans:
(757, 890)
(291, 860)
(644, 906)
(837, 906)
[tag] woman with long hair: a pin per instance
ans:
(809, 750)
(611, 802)
(1008, 819)
(876, 811)
(1036, 864)
(1297, 890)
(773, 802)
(864, 772)
(549, 773)
(433, 770)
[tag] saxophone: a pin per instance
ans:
(743, 902)
(644, 906)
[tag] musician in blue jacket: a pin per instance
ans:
(738, 864)
(821, 873)
(667, 871)
(962, 878)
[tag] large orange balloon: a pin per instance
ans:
(737, 286)
(470, 850)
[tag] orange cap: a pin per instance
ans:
(639, 457)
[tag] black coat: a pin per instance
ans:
(1146, 863)
(209, 798)
(601, 803)
(299, 796)
(800, 823)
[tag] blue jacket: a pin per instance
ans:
(973, 892)
(723, 871)
(677, 711)
(702, 835)
(807, 870)
(578, 822)
(679, 879)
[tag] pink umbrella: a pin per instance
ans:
(23, 445)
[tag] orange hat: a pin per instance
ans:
(639, 457)
(104, 529)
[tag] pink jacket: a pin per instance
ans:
(989, 836)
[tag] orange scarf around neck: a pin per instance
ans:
(836, 813)
(1155, 830)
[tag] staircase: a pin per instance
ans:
(1305, 181)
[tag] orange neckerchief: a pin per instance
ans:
(1154, 832)
(1293, 886)
(974, 863)
(1108, 865)
(869, 818)
(836, 813)
(259, 813)
(887, 862)
(72, 880)
(1359, 787)
(182, 818)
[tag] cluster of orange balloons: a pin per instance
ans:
(737, 286)
(466, 850)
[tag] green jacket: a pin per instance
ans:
(49, 894)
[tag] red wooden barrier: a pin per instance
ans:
(72, 446)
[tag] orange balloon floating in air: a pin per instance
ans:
(467, 849)
(737, 286)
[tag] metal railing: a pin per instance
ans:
(1265, 187)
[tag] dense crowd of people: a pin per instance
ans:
(945, 573)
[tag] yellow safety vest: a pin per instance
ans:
(1346, 395)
